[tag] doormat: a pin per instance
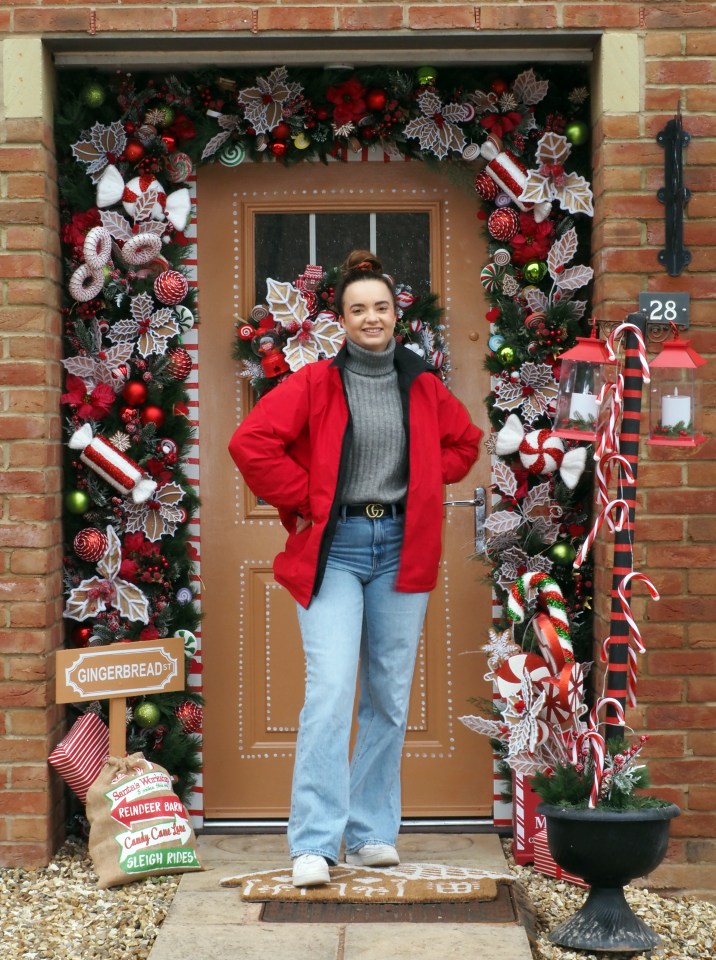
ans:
(500, 910)
(408, 883)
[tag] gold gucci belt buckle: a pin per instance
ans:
(374, 510)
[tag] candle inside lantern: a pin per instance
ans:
(583, 406)
(675, 410)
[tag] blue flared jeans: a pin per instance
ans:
(357, 625)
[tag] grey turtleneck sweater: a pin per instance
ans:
(378, 458)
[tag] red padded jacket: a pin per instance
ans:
(293, 447)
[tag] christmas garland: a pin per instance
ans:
(127, 146)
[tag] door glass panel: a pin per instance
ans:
(281, 244)
(286, 242)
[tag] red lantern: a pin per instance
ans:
(134, 393)
(153, 414)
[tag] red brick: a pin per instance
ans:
(700, 98)
(373, 17)
(151, 18)
(702, 690)
(23, 641)
(665, 745)
(533, 17)
(702, 742)
(701, 582)
(22, 829)
(663, 44)
(679, 16)
(30, 723)
(27, 129)
(673, 717)
(35, 508)
(441, 17)
(213, 18)
(661, 691)
(25, 855)
(701, 636)
(297, 18)
(52, 20)
(694, 825)
(692, 555)
(23, 802)
(600, 15)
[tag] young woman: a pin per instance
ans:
(354, 452)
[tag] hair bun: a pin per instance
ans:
(361, 260)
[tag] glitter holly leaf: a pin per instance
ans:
(495, 729)
(538, 502)
(160, 515)
(286, 303)
(264, 104)
(515, 561)
(102, 368)
(149, 328)
(562, 251)
(553, 148)
(99, 593)
(437, 128)
(503, 521)
(573, 278)
(536, 300)
(105, 146)
(529, 89)
(574, 195)
(325, 338)
(540, 389)
(504, 479)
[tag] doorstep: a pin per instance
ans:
(212, 922)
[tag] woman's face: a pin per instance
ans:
(368, 314)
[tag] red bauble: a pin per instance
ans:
(281, 132)
(152, 414)
(189, 715)
(486, 186)
(498, 86)
(179, 366)
(503, 224)
(170, 287)
(322, 113)
(134, 151)
(278, 148)
(134, 393)
(375, 99)
(90, 544)
(81, 636)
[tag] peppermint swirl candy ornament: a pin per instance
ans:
(502, 257)
(90, 544)
(232, 155)
(490, 277)
(179, 167)
(503, 200)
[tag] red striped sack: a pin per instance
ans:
(79, 757)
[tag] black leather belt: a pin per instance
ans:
(372, 511)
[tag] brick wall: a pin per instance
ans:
(676, 527)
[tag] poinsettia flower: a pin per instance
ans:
(75, 231)
(501, 123)
(89, 404)
(348, 100)
(149, 633)
(533, 241)
(129, 570)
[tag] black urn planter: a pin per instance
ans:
(608, 848)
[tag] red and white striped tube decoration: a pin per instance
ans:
(112, 465)
(510, 175)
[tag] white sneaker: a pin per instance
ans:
(374, 855)
(310, 870)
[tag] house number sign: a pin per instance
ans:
(665, 308)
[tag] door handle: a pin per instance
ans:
(479, 502)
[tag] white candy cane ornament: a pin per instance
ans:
(541, 452)
(112, 465)
(510, 175)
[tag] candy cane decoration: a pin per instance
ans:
(597, 526)
(549, 594)
(626, 608)
(632, 328)
(607, 441)
(603, 470)
(112, 465)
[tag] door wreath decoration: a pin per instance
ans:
(127, 146)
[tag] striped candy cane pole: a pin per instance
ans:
(636, 371)
(597, 526)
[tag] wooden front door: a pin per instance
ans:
(265, 220)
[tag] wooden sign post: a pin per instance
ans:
(118, 671)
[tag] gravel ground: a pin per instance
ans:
(59, 914)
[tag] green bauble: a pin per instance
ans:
(93, 95)
(146, 714)
(562, 554)
(506, 354)
(426, 76)
(535, 271)
(168, 116)
(77, 501)
(577, 132)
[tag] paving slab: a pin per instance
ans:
(214, 923)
